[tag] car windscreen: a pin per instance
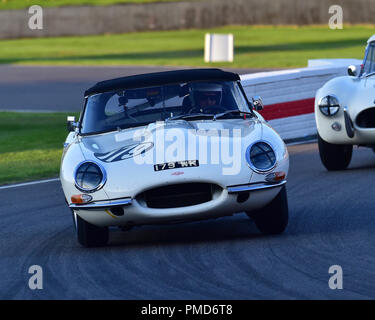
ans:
(369, 64)
(138, 107)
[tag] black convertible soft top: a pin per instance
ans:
(160, 78)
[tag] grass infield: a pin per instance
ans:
(255, 47)
(31, 145)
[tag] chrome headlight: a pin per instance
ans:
(261, 157)
(329, 105)
(89, 177)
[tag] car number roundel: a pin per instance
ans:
(124, 153)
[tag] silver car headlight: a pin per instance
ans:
(261, 157)
(89, 176)
(329, 105)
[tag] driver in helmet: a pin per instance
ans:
(206, 98)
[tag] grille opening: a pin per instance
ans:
(179, 195)
(366, 118)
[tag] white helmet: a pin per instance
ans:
(201, 91)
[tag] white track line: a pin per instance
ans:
(28, 183)
(36, 111)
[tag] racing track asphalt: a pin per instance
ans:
(50, 88)
(331, 223)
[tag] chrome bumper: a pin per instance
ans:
(128, 201)
(102, 204)
(254, 187)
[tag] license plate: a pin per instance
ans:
(176, 165)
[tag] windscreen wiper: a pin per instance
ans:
(223, 114)
(193, 116)
(370, 74)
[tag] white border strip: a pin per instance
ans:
(28, 183)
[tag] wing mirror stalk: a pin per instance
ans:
(72, 124)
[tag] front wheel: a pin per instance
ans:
(89, 235)
(334, 156)
(274, 217)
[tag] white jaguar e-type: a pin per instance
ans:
(345, 112)
(171, 147)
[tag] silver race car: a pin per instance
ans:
(172, 147)
(345, 112)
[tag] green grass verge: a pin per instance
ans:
(30, 145)
(255, 47)
(22, 4)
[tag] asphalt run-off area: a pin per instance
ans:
(226, 258)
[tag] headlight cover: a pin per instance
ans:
(261, 157)
(329, 105)
(89, 177)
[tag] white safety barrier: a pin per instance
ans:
(288, 95)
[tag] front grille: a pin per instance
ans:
(366, 118)
(178, 195)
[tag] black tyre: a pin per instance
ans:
(334, 156)
(273, 218)
(89, 235)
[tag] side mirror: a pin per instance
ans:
(352, 71)
(257, 103)
(71, 124)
